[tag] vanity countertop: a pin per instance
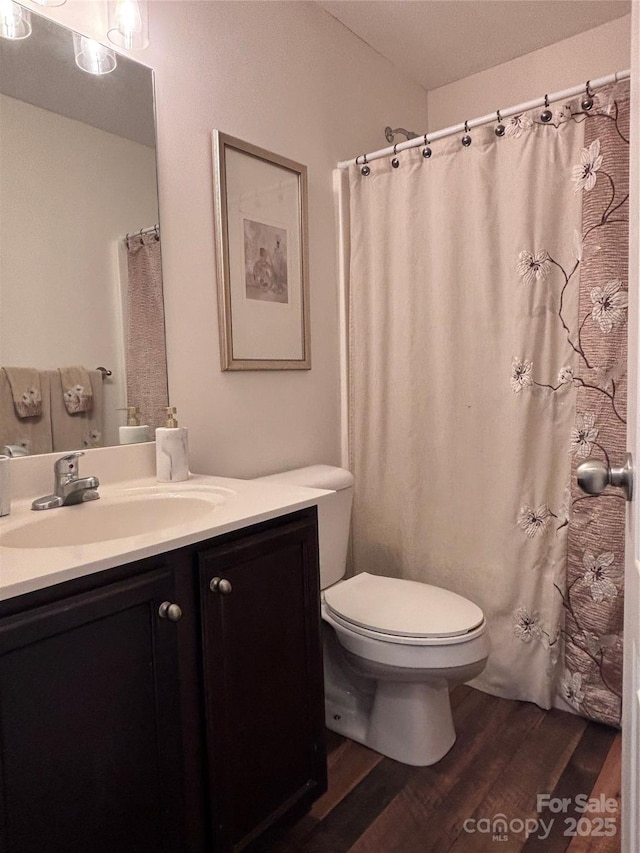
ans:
(236, 504)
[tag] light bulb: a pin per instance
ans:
(129, 23)
(93, 57)
(15, 21)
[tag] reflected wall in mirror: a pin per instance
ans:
(77, 174)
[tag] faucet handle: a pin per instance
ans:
(67, 465)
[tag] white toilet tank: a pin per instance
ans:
(334, 514)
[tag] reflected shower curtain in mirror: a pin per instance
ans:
(487, 339)
(145, 349)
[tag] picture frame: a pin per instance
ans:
(262, 257)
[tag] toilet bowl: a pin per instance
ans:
(392, 648)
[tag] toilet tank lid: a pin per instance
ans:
(402, 607)
(315, 477)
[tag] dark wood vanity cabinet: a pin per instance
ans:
(90, 750)
(126, 731)
(263, 679)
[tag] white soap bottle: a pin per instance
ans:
(134, 431)
(172, 450)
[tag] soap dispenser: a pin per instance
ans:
(134, 431)
(172, 451)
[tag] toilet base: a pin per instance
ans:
(409, 722)
(401, 711)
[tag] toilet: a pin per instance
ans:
(392, 648)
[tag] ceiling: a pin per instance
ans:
(435, 42)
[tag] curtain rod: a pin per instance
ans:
(490, 117)
(152, 229)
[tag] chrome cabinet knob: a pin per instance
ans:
(594, 476)
(221, 585)
(172, 612)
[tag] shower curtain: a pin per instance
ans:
(487, 335)
(145, 347)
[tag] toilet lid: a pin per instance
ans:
(402, 607)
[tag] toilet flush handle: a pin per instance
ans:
(221, 585)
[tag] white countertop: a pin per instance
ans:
(246, 502)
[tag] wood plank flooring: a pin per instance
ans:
(506, 753)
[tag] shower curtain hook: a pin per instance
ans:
(426, 151)
(546, 115)
(587, 101)
(466, 139)
(395, 162)
(499, 131)
(366, 171)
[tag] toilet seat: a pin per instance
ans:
(403, 611)
(333, 619)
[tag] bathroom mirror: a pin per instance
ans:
(77, 174)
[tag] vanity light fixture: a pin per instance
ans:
(129, 24)
(15, 21)
(93, 57)
(50, 2)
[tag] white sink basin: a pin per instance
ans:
(132, 512)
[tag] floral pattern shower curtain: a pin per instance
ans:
(488, 295)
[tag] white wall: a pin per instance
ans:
(59, 272)
(588, 55)
(289, 78)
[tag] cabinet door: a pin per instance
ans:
(263, 679)
(90, 755)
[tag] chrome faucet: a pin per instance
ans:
(69, 488)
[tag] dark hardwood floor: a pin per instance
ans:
(506, 754)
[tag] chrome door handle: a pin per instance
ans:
(594, 476)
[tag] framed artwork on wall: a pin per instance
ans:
(262, 250)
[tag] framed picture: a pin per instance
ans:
(261, 230)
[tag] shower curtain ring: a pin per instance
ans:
(500, 129)
(587, 101)
(426, 151)
(365, 169)
(395, 162)
(466, 139)
(546, 115)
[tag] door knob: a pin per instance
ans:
(221, 585)
(172, 612)
(594, 476)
